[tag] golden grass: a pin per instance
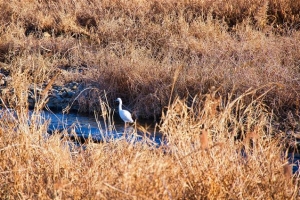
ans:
(220, 75)
(132, 49)
(219, 166)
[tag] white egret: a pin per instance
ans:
(124, 114)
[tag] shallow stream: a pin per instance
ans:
(89, 127)
(86, 126)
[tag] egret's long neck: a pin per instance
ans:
(120, 105)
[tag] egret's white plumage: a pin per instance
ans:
(124, 114)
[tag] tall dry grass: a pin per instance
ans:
(132, 49)
(202, 158)
(221, 75)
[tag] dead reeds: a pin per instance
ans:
(205, 155)
(135, 47)
(218, 75)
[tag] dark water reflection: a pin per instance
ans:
(294, 160)
(86, 126)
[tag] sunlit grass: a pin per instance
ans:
(218, 77)
(201, 157)
(132, 49)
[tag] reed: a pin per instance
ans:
(206, 155)
(135, 47)
(218, 76)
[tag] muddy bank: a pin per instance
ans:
(59, 96)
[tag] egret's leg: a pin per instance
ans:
(124, 133)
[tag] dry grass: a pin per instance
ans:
(202, 158)
(132, 49)
(226, 72)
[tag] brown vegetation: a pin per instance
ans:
(226, 72)
(132, 49)
(201, 159)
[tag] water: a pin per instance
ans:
(294, 160)
(89, 127)
(86, 126)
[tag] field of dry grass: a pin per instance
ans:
(201, 159)
(223, 77)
